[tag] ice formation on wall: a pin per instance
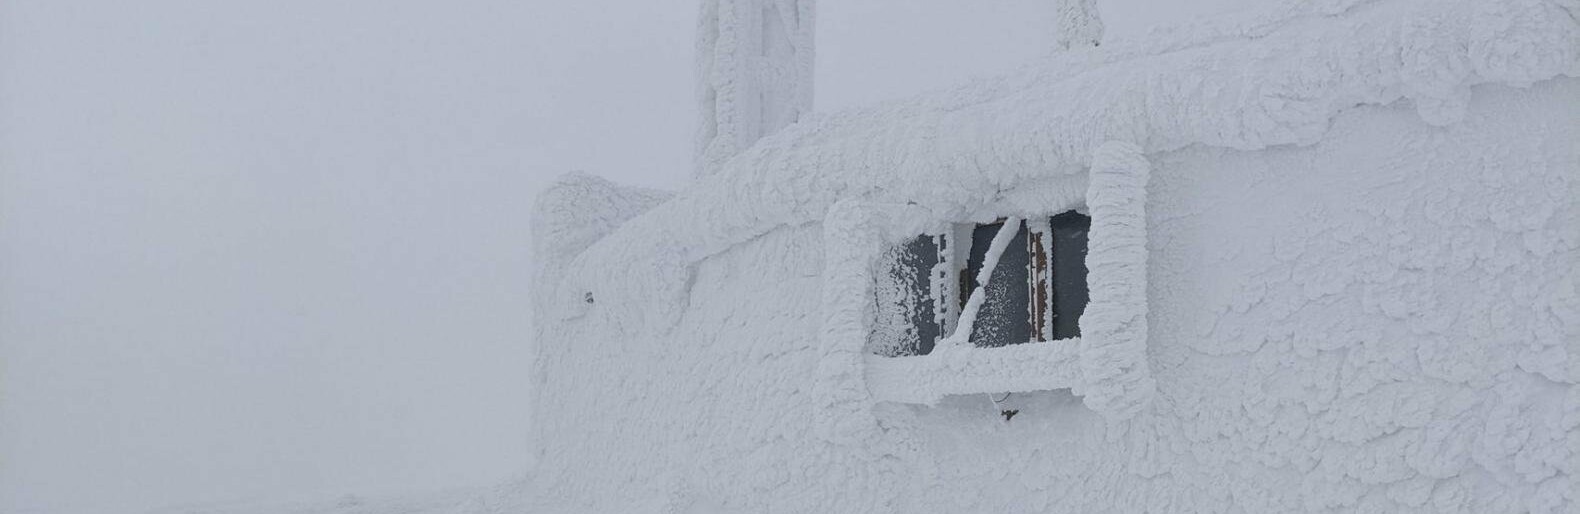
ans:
(754, 73)
(1115, 378)
(1360, 280)
(576, 211)
(1244, 85)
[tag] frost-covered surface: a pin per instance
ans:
(960, 369)
(1079, 25)
(1115, 378)
(754, 73)
(1361, 293)
(954, 152)
(576, 211)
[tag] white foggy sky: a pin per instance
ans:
(278, 249)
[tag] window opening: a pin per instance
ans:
(1036, 293)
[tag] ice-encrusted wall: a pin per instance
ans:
(1388, 320)
(1361, 245)
(576, 211)
(1383, 321)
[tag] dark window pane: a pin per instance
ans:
(907, 323)
(1005, 316)
(1069, 272)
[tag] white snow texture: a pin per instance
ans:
(1079, 25)
(1115, 379)
(1333, 268)
(754, 73)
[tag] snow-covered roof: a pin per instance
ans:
(1277, 77)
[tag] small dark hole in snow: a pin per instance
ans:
(1009, 414)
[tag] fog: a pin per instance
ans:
(276, 250)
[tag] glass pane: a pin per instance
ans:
(906, 321)
(1005, 317)
(1069, 272)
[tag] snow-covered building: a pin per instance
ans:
(1318, 258)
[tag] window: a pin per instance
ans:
(1036, 291)
(894, 302)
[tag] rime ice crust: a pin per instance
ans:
(1261, 85)
(574, 212)
(1079, 25)
(1115, 378)
(754, 73)
(1361, 235)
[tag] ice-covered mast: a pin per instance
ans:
(1080, 25)
(754, 73)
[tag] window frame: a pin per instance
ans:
(1106, 365)
(950, 367)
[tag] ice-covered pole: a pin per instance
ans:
(1079, 25)
(754, 74)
